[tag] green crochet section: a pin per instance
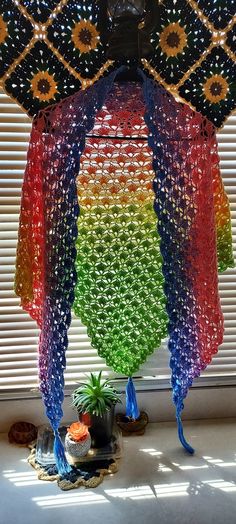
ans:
(119, 294)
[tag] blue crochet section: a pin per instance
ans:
(64, 143)
(162, 113)
(132, 410)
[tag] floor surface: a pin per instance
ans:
(157, 482)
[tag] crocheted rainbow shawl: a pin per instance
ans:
(90, 239)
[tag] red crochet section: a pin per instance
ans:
(29, 277)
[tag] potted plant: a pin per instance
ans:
(95, 401)
(77, 440)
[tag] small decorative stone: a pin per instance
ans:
(22, 433)
(132, 427)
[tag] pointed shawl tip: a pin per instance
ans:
(63, 466)
(182, 439)
(132, 410)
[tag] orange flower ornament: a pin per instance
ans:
(78, 431)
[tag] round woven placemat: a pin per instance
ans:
(90, 477)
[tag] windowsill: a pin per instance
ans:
(209, 398)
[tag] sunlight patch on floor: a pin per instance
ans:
(133, 493)
(70, 499)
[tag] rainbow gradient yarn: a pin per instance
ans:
(132, 271)
(119, 293)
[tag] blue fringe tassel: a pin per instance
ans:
(182, 439)
(59, 453)
(132, 410)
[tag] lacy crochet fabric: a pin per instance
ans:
(52, 48)
(106, 262)
(187, 188)
(119, 293)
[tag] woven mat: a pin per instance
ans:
(90, 475)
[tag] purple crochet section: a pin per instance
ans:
(63, 148)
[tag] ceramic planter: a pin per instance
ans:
(100, 427)
(78, 448)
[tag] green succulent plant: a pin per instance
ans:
(95, 396)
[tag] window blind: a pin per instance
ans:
(19, 334)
